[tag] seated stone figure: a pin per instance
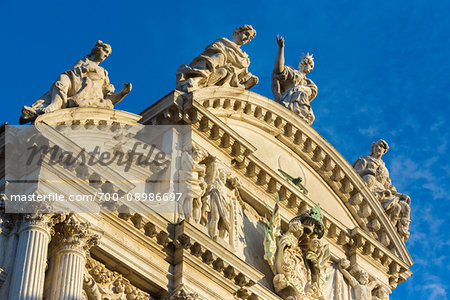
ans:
(291, 87)
(374, 173)
(85, 85)
(223, 63)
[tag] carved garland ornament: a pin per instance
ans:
(101, 283)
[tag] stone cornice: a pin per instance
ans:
(154, 235)
(236, 273)
(198, 248)
(307, 143)
(393, 265)
(165, 104)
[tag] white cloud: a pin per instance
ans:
(436, 291)
(370, 131)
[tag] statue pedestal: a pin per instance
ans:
(88, 116)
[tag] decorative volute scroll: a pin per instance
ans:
(85, 85)
(374, 173)
(291, 88)
(182, 293)
(72, 234)
(297, 257)
(223, 63)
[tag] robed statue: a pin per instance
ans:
(85, 85)
(291, 87)
(223, 63)
(375, 175)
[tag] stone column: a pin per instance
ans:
(27, 280)
(69, 248)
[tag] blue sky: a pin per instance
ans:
(382, 70)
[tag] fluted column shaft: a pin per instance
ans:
(27, 280)
(69, 248)
(67, 269)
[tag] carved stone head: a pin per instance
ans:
(100, 52)
(379, 148)
(296, 227)
(363, 277)
(306, 64)
(243, 34)
(198, 154)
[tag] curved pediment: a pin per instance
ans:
(261, 136)
(277, 156)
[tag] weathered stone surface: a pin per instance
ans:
(360, 281)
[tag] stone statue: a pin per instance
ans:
(297, 257)
(291, 87)
(374, 173)
(223, 63)
(362, 287)
(221, 205)
(85, 85)
(405, 217)
(193, 174)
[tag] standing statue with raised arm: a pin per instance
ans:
(362, 286)
(290, 87)
(223, 63)
(85, 85)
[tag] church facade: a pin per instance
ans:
(266, 208)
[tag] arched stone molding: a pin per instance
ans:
(206, 110)
(88, 116)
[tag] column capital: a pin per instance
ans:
(45, 222)
(74, 235)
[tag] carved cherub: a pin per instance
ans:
(362, 286)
